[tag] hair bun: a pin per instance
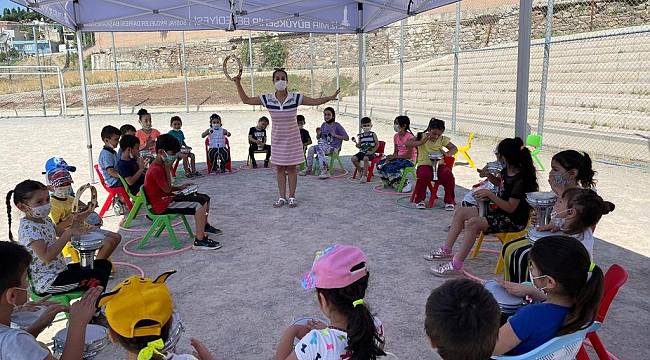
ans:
(608, 207)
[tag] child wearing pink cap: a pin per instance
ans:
(340, 277)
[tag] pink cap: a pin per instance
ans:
(332, 268)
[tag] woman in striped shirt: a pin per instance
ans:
(286, 151)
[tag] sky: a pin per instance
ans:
(8, 4)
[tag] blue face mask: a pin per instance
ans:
(169, 158)
(560, 179)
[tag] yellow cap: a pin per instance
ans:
(137, 299)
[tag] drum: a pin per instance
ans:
(542, 202)
(96, 341)
(304, 321)
(494, 168)
(508, 303)
(533, 234)
(186, 150)
(483, 207)
(87, 244)
(93, 219)
(24, 319)
(190, 190)
(435, 158)
(175, 333)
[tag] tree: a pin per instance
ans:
(274, 54)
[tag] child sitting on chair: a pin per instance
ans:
(462, 320)
(430, 142)
(126, 129)
(146, 134)
(330, 137)
(304, 134)
(402, 156)
(108, 156)
(17, 344)
(186, 152)
(509, 214)
(131, 166)
(163, 197)
(257, 142)
(368, 145)
(340, 276)
(48, 270)
(140, 315)
(569, 286)
(61, 212)
(217, 151)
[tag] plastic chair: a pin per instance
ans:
(504, 237)
(434, 185)
(373, 162)
(464, 150)
(207, 157)
(112, 193)
(535, 141)
(138, 201)
(563, 347)
(615, 277)
(162, 222)
(63, 299)
(248, 159)
(404, 174)
(332, 157)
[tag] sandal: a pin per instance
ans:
(292, 202)
(280, 202)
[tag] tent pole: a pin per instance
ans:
(545, 65)
(84, 98)
(250, 63)
(523, 69)
(184, 66)
(117, 76)
(338, 73)
(362, 69)
(401, 67)
(38, 61)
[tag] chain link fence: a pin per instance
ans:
(589, 82)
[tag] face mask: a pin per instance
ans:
(169, 158)
(396, 128)
(280, 85)
(366, 128)
(176, 129)
(146, 127)
(533, 278)
(216, 126)
(62, 192)
(560, 180)
(330, 121)
(300, 126)
(42, 211)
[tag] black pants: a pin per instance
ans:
(252, 149)
(219, 153)
(76, 278)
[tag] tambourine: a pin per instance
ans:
(93, 199)
(229, 63)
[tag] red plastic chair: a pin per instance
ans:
(373, 162)
(207, 157)
(112, 193)
(433, 186)
(615, 277)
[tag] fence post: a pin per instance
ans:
(311, 64)
(38, 62)
(523, 68)
(117, 76)
(401, 66)
(184, 69)
(454, 91)
(338, 80)
(545, 64)
(250, 63)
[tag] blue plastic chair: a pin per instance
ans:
(563, 347)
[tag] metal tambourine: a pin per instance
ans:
(93, 198)
(229, 63)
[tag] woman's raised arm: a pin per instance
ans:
(320, 101)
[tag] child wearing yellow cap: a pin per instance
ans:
(141, 319)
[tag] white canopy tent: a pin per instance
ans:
(313, 16)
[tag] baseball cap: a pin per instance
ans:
(59, 177)
(56, 163)
(332, 268)
(136, 299)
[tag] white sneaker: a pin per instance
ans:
(324, 174)
(446, 270)
(421, 205)
(408, 187)
(438, 254)
(450, 207)
(362, 176)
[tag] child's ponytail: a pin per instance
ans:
(11, 235)
(518, 156)
(589, 206)
(586, 303)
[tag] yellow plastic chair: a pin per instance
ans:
(464, 150)
(504, 238)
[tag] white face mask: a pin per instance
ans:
(533, 278)
(216, 126)
(42, 211)
(396, 128)
(280, 85)
(62, 192)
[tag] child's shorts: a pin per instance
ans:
(360, 155)
(186, 204)
(499, 221)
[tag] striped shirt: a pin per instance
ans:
(286, 143)
(367, 141)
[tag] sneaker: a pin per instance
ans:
(324, 174)
(450, 207)
(362, 177)
(438, 254)
(212, 230)
(292, 202)
(408, 187)
(421, 205)
(206, 244)
(446, 270)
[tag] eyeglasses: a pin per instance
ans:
(19, 288)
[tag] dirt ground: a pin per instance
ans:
(239, 299)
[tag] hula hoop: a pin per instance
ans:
(400, 203)
(137, 268)
(339, 176)
(164, 253)
(379, 190)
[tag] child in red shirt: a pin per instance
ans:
(161, 194)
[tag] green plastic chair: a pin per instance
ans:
(535, 141)
(160, 223)
(332, 157)
(63, 299)
(405, 171)
(138, 200)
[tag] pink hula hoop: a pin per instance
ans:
(137, 268)
(164, 253)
